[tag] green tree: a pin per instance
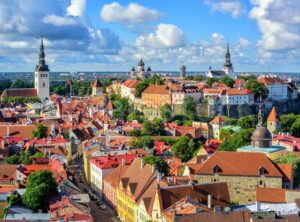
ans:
(184, 148)
(189, 107)
(60, 90)
(135, 132)
(287, 121)
(153, 128)
(122, 108)
(166, 112)
(146, 142)
(160, 164)
(19, 83)
(295, 129)
(13, 159)
(295, 162)
(257, 88)
(40, 187)
(82, 88)
(238, 139)
(136, 115)
(25, 157)
(225, 134)
(248, 121)
(155, 80)
(40, 131)
(140, 87)
(210, 81)
(247, 78)
(14, 199)
(227, 81)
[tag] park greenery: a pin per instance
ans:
(142, 142)
(259, 89)
(19, 83)
(40, 187)
(290, 123)
(21, 99)
(233, 140)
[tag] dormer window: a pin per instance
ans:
(262, 171)
(216, 169)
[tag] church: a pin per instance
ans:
(41, 81)
(227, 68)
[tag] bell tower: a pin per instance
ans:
(41, 75)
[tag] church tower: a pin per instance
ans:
(228, 68)
(41, 79)
(273, 122)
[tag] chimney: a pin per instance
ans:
(153, 168)
(142, 163)
(123, 162)
(209, 201)
(257, 206)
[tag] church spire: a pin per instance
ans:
(41, 66)
(227, 63)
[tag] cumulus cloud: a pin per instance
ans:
(65, 28)
(278, 21)
(76, 8)
(234, 7)
(58, 20)
(130, 14)
(244, 43)
(165, 36)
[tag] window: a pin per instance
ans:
(262, 171)
(44, 84)
(216, 169)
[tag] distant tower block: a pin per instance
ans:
(182, 70)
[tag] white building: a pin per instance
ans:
(128, 89)
(237, 97)
(278, 88)
(179, 92)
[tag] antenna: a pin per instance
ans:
(260, 113)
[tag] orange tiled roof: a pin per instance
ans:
(273, 115)
(218, 120)
(160, 89)
(287, 171)
(239, 164)
(270, 195)
(130, 83)
(270, 80)
(238, 92)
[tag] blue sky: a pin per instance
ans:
(102, 35)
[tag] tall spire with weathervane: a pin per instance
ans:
(228, 68)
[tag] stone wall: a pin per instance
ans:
(242, 189)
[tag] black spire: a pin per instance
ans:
(227, 58)
(41, 66)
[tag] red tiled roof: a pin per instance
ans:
(106, 162)
(270, 195)
(219, 120)
(239, 164)
(20, 131)
(30, 92)
(287, 171)
(289, 140)
(238, 92)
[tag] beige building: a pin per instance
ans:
(243, 172)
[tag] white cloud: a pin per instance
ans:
(130, 14)
(278, 21)
(244, 43)
(76, 8)
(235, 7)
(58, 20)
(165, 36)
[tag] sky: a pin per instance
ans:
(102, 35)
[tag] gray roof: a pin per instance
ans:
(218, 73)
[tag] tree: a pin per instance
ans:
(136, 115)
(13, 159)
(41, 131)
(238, 139)
(160, 164)
(225, 134)
(82, 88)
(40, 187)
(140, 87)
(257, 88)
(189, 107)
(19, 83)
(25, 158)
(146, 142)
(210, 81)
(14, 199)
(135, 132)
(184, 148)
(248, 121)
(227, 81)
(247, 78)
(153, 128)
(166, 112)
(295, 129)
(122, 108)
(60, 90)
(295, 162)
(287, 121)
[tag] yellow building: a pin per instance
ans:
(136, 188)
(156, 96)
